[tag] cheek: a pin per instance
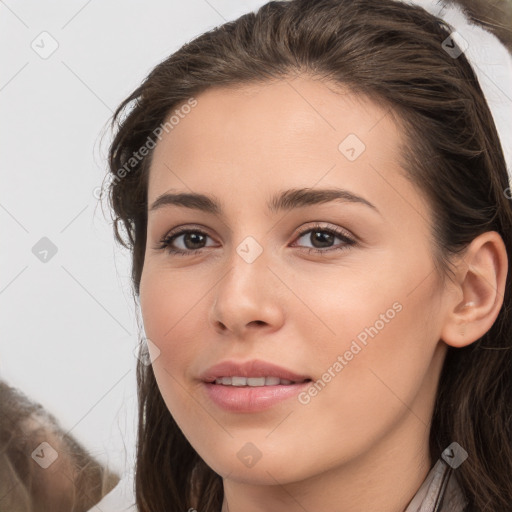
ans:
(379, 359)
(372, 336)
(170, 302)
(172, 306)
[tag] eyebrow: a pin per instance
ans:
(283, 201)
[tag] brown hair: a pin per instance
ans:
(391, 52)
(74, 482)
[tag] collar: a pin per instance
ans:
(440, 492)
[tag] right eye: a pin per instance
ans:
(191, 237)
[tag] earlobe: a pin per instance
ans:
(481, 277)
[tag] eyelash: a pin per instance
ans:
(165, 243)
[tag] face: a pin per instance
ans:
(342, 292)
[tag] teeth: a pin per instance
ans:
(238, 381)
(253, 381)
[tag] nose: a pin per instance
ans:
(247, 299)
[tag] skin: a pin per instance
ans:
(362, 442)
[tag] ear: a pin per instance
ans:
(479, 289)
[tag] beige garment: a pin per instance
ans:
(439, 492)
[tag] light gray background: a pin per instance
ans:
(68, 328)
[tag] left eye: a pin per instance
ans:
(322, 236)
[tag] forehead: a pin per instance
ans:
(279, 116)
(257, 138)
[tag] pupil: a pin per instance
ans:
(322, 238)
(193, 236)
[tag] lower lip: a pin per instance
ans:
(251, 399)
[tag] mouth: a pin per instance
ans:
(255, 382)
(251, 386)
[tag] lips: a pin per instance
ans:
(251, 386)
(251, 370)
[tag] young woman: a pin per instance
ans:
(315, 196)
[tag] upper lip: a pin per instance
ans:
(253, 368)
